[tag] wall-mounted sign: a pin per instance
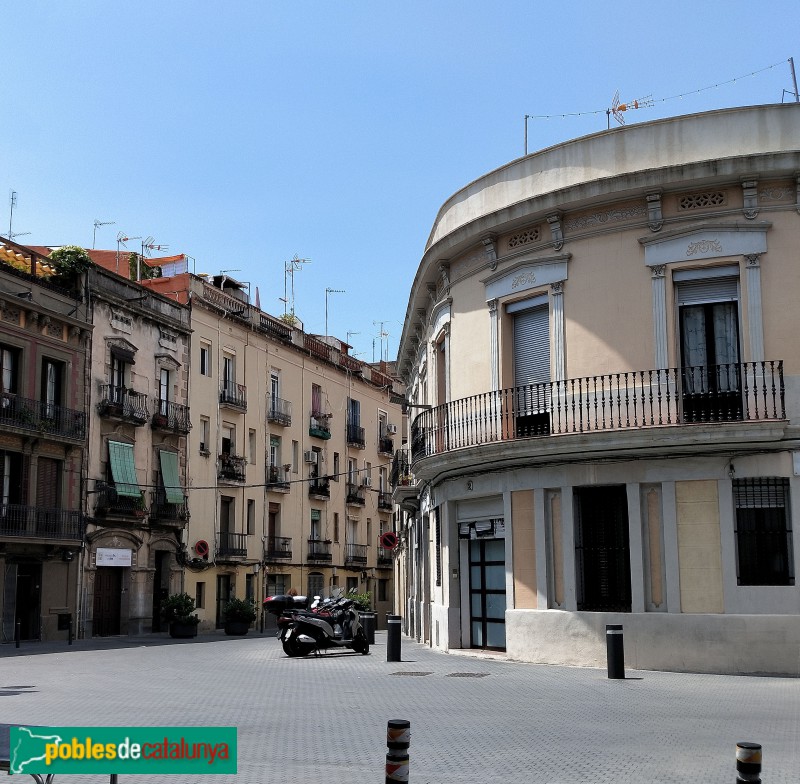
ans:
(113, 556)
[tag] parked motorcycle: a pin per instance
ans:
(333, 624)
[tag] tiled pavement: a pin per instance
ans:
(473, 719)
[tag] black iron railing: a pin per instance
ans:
(746, 391)
(232, 468)
(278, 548)
(355, 495)
(233, 395)
(355, 436)
(162, 510)
(46, 418)
(109, 501)
(319, 550)
(123, 403)
(279, 411)
(384, 560)
(36, 522)
(386, 446)
(232, 545)
(278, 477)
(171, 416)
(355, 554)
(384, 500)
(319, 427)
(320, 488)
(401, 469)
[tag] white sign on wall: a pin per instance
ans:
(113, 556)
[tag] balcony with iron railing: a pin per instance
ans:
(35, 522)
(232, 468)
(319, 487)
(279, 411)
(47, 419)
(165, 512)
(319, 550)
(278, 548)
(279, 479)
(401, 475)
(749, 392)
(233, 396)
(355, 495)
(122, 403)
(384, 559)
(231, 545)
(355, 436)
(170, 416)
(384, 501)
(111, 503)
(386, 445)
(318, 426)
(355, 554)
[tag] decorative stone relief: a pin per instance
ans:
(750, 192)
(557, 288)
(121, 322)
(599, 218)
(701, 201)
(432, 291)
(555, 231)
(525, 237)
(776, 193)
(703, 246)
(658, 271)
(753, 260)
(11, 314)
(492, 305)
(444, 272)
(55, 329)
(526, 279)
(490, 248)
(167, 339)
(654, 217)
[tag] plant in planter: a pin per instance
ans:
(69, 261)
(177, 609)
(239, 615)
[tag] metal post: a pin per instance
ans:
(17, 633)
(615, 651)
(398, 739)
(69, 630)
(368, 622)
(748, 762)
(393, 638)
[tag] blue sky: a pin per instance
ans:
(245, 133)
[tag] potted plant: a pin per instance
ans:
(69, 262)
(239, 615)
(178, 609)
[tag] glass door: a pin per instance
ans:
(487, 593)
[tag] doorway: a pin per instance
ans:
(487, 593)
(223, 597)
(107, 601)
(602, 550)
(160, 588)
(29, 599)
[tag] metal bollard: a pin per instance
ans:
(368, 622)
(748, 762)
(398, 739)
(393, 638)
(615, 651)
(17, 633)
(69, 631)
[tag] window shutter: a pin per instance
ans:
(123, 469)
(532, 346)
(701, 292)
(171, 477)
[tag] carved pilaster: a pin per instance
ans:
(490, 248)
(556, 231)
(750, 193)
(654, 217)
(659, 294)
(444, 272)
(755, 314)
(659, 271)
(557, 326)
(492, 305)
(557, 288)
(753, 260)
(494, 338)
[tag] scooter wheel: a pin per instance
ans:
(289, 647)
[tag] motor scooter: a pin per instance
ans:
(333, 624)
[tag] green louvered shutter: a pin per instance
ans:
(123, 469)
(169, 473)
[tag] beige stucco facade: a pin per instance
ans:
(618, 431)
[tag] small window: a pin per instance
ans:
(763, 532)
(336, 527)
(276, 584)
(200, 595)
(335, 476)
(383, 591)
(352, 584)
(205, 425)
(205, 359)
(295, 456)
(251, 516)
(251, 446)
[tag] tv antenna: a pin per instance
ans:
(327, 292)
(13, 234)
(618, 108)
(290, 267)
(12, 200)
(97, 224)
(381, 335)
(122, 238)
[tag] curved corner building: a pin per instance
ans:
(601, 343)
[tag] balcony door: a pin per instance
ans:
(709, 335)
(531, 366)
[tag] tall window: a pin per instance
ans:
(205, 425)
(52, 385)
(228, 440)
(335, 526)
(251, 446)
(316, 524)
(119, 373)
(251, 516)
(9, 368)
(763, 532)
(163, 390)
(335, 476)
(354, 412)
(205, 359)
(274, 451)
(316, 399)
(532, 365)
(228, 373)
(11, 477)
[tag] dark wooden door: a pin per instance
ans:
(107, 597)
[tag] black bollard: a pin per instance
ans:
(393, 638)
(17, 633)
(748, 763)
(69, 631)
(398, 739)
(368, 622)
(615, 651)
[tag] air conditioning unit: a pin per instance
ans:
(366, 482)
(310, 457)
(391, 430)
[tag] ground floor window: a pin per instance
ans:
(276, 584)
(763, 532)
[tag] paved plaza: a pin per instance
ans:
(474, 719)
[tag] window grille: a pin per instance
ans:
(763, 532)
(698, 201)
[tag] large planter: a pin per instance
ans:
(237, 628)
(182, 630)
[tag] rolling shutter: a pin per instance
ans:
(702, 292)
(532, 346)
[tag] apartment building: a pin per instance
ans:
(289, 456)
(599, 344)
(45, 334)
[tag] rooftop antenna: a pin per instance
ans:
(618, 108)
(147, 246)
(98, 223)
(381, 335)
(327, 292)
(13, 202)
(350, 332)
(289, 269)
(794, 82)
(122, 238)
(13, 234)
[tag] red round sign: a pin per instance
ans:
(201, 547)
(389, 540)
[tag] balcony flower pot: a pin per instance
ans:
(159, 420)
(177, 609)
